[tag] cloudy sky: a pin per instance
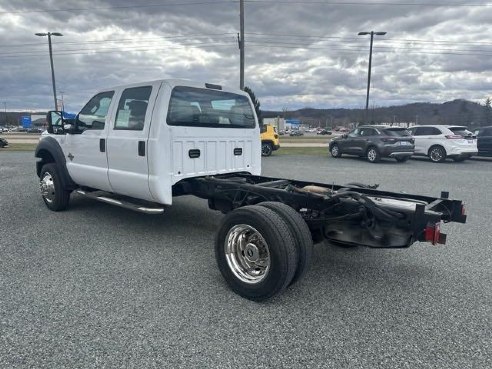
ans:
(298, 53)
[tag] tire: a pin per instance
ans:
(437, 154)
(301, 234)
(266, 262)
(335, 151)
(373, 155)
(402, 159)
(266, 149)
(54, 195)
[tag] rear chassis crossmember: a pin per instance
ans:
(351, 214)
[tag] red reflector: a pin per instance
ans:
(463, 209)
(433, 233)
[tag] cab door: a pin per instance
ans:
(127, 141)
(86, 148)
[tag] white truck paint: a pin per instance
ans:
(120, 169)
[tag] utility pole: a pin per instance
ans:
(49, 34)
(372, 33)
(241, 44)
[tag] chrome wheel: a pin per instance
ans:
(437, 154)
(47, 187)
(247, 254)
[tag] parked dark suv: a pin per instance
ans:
(374, 143)
(484, 141)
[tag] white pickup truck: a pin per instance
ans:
(137, 146)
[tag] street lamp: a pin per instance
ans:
(372, 33)
(49, 34)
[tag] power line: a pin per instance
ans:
(378, 3)
(115, 7)
(146, 39)
(386, 39)
(291, 2)
(351, 51)
(91, 52)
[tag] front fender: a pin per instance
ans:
(49, 151)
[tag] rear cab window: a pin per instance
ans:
(198, 107)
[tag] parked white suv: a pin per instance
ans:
(439, 142)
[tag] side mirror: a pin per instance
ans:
(55, 122)
(68, 128)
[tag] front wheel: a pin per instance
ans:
(255, 252)
(54, 195)
(335, 151)
(266, 149)
(373, 155)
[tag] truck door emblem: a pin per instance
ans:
(70, 156)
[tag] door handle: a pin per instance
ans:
(102, 145)
(141, 148)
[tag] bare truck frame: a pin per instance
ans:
(139, 145)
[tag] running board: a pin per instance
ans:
(106, 197)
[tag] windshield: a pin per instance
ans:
(398, 132)
(200, 107)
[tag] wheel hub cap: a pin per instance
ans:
(247, 254)
(436, 154)
(47, 187)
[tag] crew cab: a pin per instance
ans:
(137, 146)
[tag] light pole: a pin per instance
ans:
(372, 33)
(49, 34)
(241, 44)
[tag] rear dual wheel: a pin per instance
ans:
(301, 234)
(258, 251)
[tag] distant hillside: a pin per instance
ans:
(459, 111)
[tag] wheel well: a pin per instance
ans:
(372, 147)
(442, 147)
(45, 157)
(267, 141)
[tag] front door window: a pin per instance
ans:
(93, 114)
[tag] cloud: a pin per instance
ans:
(297, 54)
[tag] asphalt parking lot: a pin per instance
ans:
(102, 287)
